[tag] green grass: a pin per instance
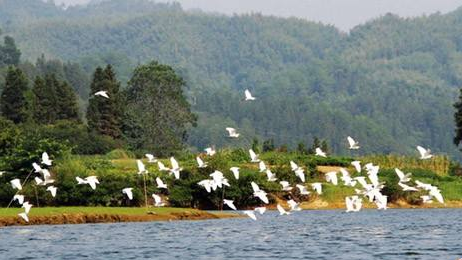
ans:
(48, 211)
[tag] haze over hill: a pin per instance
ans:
(345, 14)
(390, 83)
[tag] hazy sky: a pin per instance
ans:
(344, 14)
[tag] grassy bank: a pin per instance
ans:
(82, 215)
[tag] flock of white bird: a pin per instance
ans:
(367, 186)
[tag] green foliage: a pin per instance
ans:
(9, 53)
(158, 109)
(13, 103)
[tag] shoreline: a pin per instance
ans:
(93, 218)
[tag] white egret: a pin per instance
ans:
(426, 199)
(175, 168)
(253, 156)
(37, 167)
(235, 171)
(436, 193)
(332, 177)
(293, 166)
(248, 95)
(46, 159)
(92, 181)
(300, 174)
(52, 190)
(80, 180)
(353, 144)
(407, 187)
(141, 167)
(285, 186)
(16, 184)
(357, 165)
(403, 178)
(303, 189)
(294, 206)
(317, 186)
(424, 153)
(250, 214)
(162, 167)
(151, 158)
(262, 166)
(158, 201)
(207, 184)
(24, 216)
(319, 152)
(128, 192)
(200, 163)
(27, 206)
(271, 176)
(160, 184)
(282, 211)
(102, 93)
(19, 198)
(346, 178)
(232, 132)
(210, 151)
(229, 203)
(257, 192)
(381, 202)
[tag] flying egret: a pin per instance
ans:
(346, 178)
(436, 193)
(381, 202)
(210, 151)
(407, 187)
(92, 181)
(319, 152)
(207, 184)
(158, 201)
(317, 186)
(257, 192)
(151, 158)
(353, 203)
(349, 203)
(19, 198)
(282, 211)
(303, 189)
(424, 153)
(293, 166)
(80, 180)
(102, 93)
(160, 184)
(300, 174)
(200, 163)
(141, 167)
(37, 167)
(294, 206)
(250, 214)
(229, 203)
(426, 199)
(262, 166)
(175, 168)
(285, 186)
(403, 178)
(253, 156)
(235, 171)
(52, 190)
(353, 144)
(27, 206)
(162, 167)
(41, 182)
(128, 192)
(16, 184)
(357, 165)
(248, 95)
(424, 186)
(232, 132)
(260, 210)
(24, 216)
(271, 176)
(332, 177)
(46, 159)
(1, 173)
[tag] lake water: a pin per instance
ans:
(369, 234)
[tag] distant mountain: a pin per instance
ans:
(389, 83)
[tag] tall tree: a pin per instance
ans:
(458, 120)
(9, 53)
(104, 114)
(13, 102)
(156, 102)
(44, 101)
(67, 105)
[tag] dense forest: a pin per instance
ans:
(390, 83)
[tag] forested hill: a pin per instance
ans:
(389, 83)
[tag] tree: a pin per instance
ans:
(155, 103)
(324, 146)
(67, 105)
(44, 101)
(9, 53)
(13, 103)
(104, 115)
(268, 145)
(255, 145)
(301, 148)
(458, 120)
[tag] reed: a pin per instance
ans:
(437, 164)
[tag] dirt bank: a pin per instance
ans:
(84, 218)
